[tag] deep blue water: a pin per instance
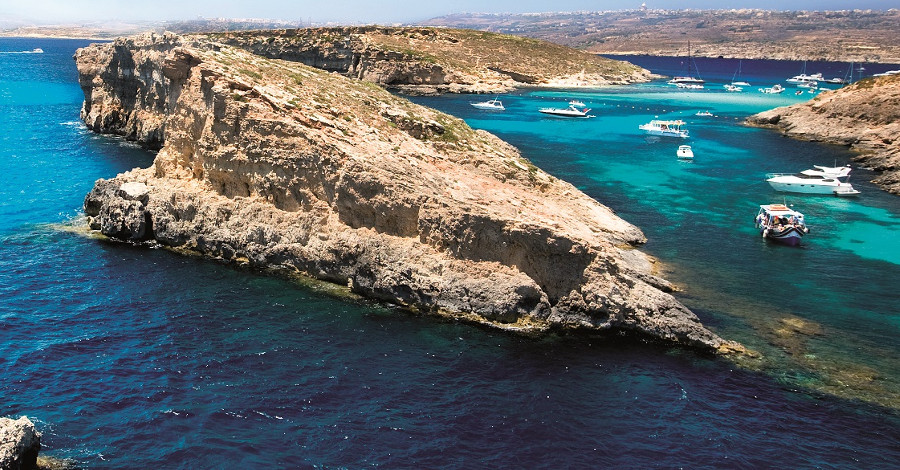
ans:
(136, 358)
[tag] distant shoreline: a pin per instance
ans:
(52, 36)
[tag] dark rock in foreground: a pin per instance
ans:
(19, 444)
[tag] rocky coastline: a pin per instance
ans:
(272, 163)
(864, 116)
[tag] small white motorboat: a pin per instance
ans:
(774, 89)
(685, 152)
(733, 87)
(494, 104)
(571, 111)
(779, 223)
(665, 128)
(703, 113)
(577, 104)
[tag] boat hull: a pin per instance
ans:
(790, 236)
(564, 114)
(681, 134)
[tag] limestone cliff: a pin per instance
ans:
(436, 60)
(865, 116)
(276, 164)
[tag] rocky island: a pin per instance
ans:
(272, 163)
(864, 116)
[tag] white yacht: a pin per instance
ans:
(665, 128)
(571, 111)
(733, 87)
(803, 78)
(685, 152)
(494, 104)
(577, 104)
(774, 89)
(810, 184)
(703, 113)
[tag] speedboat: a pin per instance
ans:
(774, 89)
(493, 104)
(778, 222)
(703, 113)
(685, 152)
(571, 111)
(577, 104)
(810, 184)
(665, 128)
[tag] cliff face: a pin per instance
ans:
(865, 116)
(277, 164)
(432, 60)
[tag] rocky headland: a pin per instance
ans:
(424, 60)
(272, 163)
(864, 116)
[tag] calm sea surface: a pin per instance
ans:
(136, 358)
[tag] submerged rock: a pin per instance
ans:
(276, 164)
(19, 444)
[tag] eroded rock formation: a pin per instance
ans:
(19, 444)
(277, 164)
(864, 116)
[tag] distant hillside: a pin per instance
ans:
(436, 60)
(858, 35)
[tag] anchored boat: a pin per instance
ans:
(494, 105)
(571, 111)
(781, 224)
(810, 182)
(665, 128)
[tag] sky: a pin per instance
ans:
(361, 11)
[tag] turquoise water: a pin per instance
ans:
(136, 358)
